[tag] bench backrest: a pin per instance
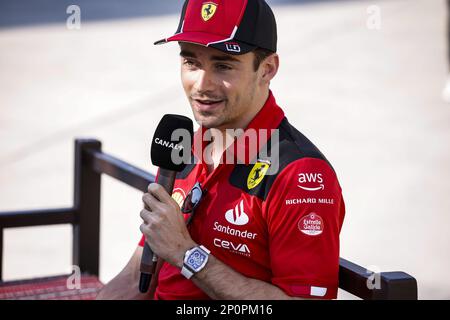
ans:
(84, 215)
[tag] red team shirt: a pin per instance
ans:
(281, 228)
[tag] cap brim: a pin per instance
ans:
(210, 40)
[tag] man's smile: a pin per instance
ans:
(206, 105)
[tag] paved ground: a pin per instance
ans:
(370, 99)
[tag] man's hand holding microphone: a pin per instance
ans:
(163, 225)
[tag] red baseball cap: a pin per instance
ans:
(232, 26)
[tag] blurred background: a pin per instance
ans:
(364, 80)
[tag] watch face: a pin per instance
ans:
(196, 259)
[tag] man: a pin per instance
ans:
(253, 235)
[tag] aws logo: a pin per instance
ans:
(208, 10)
(311, 181)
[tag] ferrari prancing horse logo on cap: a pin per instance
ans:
(208, 10)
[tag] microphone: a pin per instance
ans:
(170, 151)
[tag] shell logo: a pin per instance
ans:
(179, 195)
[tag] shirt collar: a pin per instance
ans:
(260, 128)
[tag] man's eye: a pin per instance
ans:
(189, 63)
(223, 67)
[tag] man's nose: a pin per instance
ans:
(204, 81)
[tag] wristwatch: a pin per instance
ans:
(195, 260)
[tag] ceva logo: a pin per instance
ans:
(240, 248)
(308, 178)
(237, 216)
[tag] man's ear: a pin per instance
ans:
(269, 68)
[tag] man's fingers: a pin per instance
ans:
(160, 193)
(145, 215)
(150, 202)
(144, 229)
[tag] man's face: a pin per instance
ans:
(220, 87)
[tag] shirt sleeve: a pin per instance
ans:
(142, 241)
(304, 212)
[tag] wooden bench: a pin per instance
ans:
(84, 216)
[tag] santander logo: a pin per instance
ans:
(237, 216)
(311, 178)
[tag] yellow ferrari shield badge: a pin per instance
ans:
(257, 174)
(208, 10)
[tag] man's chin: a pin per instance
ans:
(208, 121)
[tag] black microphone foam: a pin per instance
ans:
(172, 142)
(170, 151)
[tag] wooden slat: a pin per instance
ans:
(1, 255)
(30, 218)
(120, 170)
(87, 193)
(393, 285)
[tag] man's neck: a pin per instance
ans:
(223, 137)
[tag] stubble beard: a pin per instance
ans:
(229, 113)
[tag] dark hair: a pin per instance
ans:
(260, 55)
